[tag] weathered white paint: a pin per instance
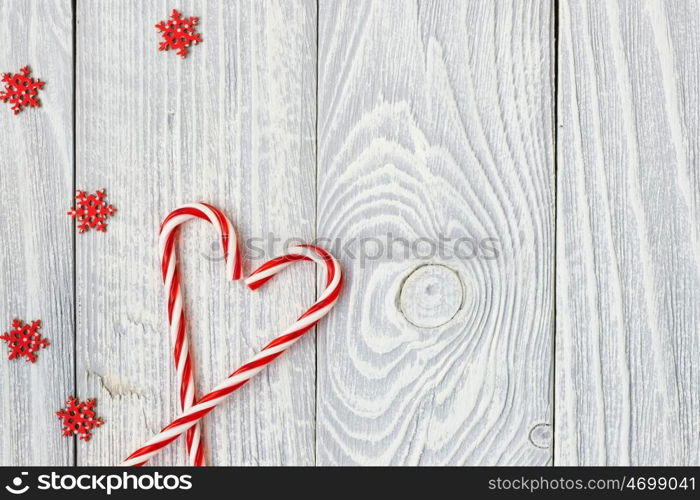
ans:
(628, 259)
(233, 125)
(36, 257)
(435, 120)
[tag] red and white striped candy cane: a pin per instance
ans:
(176, 315)
(192, 415)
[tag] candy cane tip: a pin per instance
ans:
(253, 282)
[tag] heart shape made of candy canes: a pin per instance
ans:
(193, 409)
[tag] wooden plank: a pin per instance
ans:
(36, 260)
(628, 259)
(435, 121)
(232, 124)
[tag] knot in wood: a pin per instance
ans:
(431, 296)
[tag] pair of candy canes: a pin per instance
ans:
(194, 409)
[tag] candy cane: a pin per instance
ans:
(192, 415)
(176, 316)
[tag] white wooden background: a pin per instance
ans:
(568, 130)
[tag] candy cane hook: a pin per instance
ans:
(176, 315)
(192, 415)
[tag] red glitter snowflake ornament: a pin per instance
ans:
(79, 418)
(21, 90)
(92, 211)
(24, 340)
(179, 33)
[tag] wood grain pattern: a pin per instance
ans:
(435, 121)
(36, 257)
(233, 125)
(628, 301)
(434, 182)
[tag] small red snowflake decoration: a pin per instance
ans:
(21, 89)
(24, 340)
(92, 211)
(179, 33)
(79, 418)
